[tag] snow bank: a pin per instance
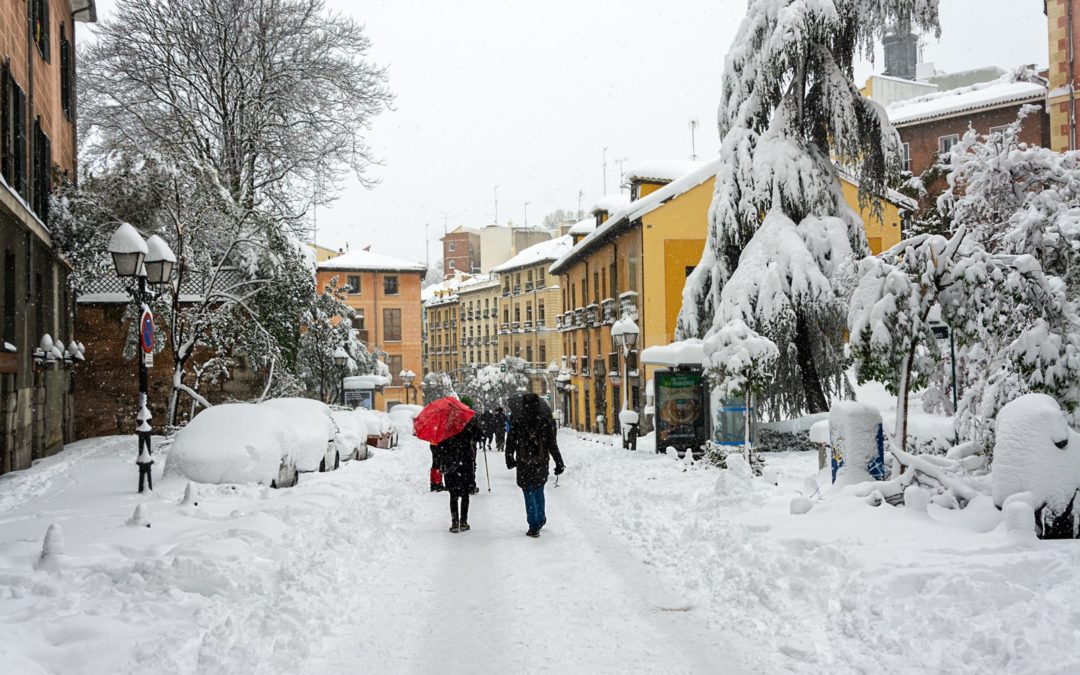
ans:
(1036, 452)
(232, 443)
(313, 425)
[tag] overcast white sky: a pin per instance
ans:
(526, 96)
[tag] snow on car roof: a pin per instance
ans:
(955, 101)
(366, 260)
(552, 249)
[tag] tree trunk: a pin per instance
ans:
(812, 391)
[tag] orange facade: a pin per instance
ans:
(388, 320)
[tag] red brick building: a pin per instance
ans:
(461, 252)
(37, 144)
(1063, 33)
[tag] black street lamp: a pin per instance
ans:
(341, 357)
(148, 261)
(407, 378)
(625, 334)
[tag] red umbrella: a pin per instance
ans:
(441, 419)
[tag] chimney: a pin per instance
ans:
(901, 55)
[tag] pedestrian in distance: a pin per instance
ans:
(487, 427)
(530, 446)
(501, 425)
(456, 460)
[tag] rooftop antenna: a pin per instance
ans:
(496, 204)
(444, 215)
(580, 195)
(620, 161)
(693, 139)
(605, 170)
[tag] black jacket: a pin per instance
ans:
(532, 444)
(498, 424)
(456, 459)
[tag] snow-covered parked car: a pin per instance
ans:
(352, 434)
(381, 430)
(403, 416)
(235, 443)
(313, 424)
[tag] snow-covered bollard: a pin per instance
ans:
(800, 505)
(672, 452)
(141, 517)
(858, 443)
(1036, 452)
(190, 496)
(52, 549)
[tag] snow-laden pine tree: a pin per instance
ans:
(781, 239)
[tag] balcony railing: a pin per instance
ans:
(528, 286)
(610, 310)
(527, 326)
(592, 315)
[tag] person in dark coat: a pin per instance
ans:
(487, 428)
(500, 429)
(457, 461)
(530, 446)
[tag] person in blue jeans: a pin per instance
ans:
(531, 444)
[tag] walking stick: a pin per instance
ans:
(487, 471)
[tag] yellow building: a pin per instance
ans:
(441, 334)
(530, 301)
(635, 264)
(478, 311)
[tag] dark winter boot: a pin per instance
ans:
(464, 527)
(533, 533)
(455, 527)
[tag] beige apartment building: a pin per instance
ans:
(530, 301)
(478, 312)
(440, 334)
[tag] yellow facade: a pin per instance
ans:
(529, 305)
(640, 268)
(478, 310)
(441, 335)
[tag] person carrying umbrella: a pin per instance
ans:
(531, 444)
(449, 426)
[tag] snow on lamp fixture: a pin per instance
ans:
(128, 250)
(159, 260)
(340, 357)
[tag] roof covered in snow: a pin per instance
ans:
(636, 209)
(545, 251)
(610, 203)
(583, 226)
(366, 260)
(660, 170)
(984, 95)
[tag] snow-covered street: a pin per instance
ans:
(647, 565)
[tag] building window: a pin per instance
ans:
(39, 15)
(945, 143)
(528, 312)
(905, 157)
(12, 132)
(9, 298)
(390, 285)
(41, 176)
(543, 354)
(450, 246)
(1000, 129)
(358, 320)
(354, 284)
(596, 287)
(394, 363)
(67, 76)
(391, 325)
(451, 264)
(540, 313)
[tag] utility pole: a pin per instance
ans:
(580, 196)
(496, 204)
(693, 140)
(605, 171)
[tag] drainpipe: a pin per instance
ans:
(1072, 76)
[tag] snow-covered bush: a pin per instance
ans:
(436, 386)
(1037, 455)
(738, 361)
(782, 240)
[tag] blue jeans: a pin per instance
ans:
(534, 506)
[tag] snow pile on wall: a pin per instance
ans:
(1036, 453)
(231, 443)
(853, 433)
